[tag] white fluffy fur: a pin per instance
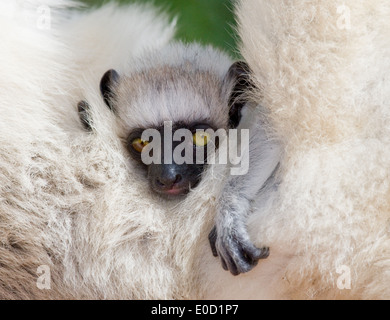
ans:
(70, 200)
(326, 91)
(66, 198)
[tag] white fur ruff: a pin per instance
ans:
(322, 71)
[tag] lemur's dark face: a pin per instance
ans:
(174, 153)
(178, 163)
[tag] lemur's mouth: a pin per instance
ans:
(176, 191)
(173, 194)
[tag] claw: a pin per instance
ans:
(237, 254)
(213, 240)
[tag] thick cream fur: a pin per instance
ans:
(67, 199)
(325, 89)
(74, 201)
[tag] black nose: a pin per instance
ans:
(171, 179)
(168, 181)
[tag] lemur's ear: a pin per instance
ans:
(107, 86)
(239, 74)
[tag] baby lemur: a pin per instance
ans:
(200, 90)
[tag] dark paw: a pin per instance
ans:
(237, 254)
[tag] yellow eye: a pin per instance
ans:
(139, 144)
(201, 138)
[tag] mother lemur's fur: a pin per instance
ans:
(76, 209)
(321, 72)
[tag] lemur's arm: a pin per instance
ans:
(230, 239)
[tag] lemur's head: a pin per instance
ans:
(168, 107)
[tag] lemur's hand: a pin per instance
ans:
(236, 251)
